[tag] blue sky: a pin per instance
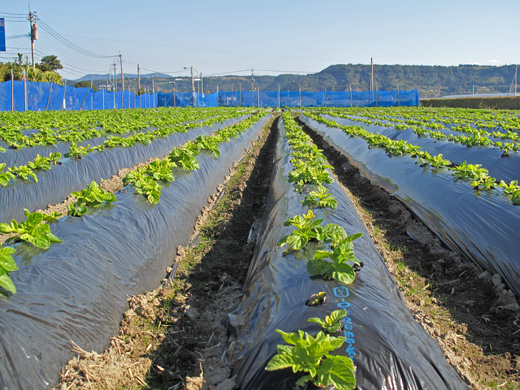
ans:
(271, 37)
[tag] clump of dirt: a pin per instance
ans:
(175, 337)
(471, 314)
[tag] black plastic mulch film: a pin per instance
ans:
(481, 227)
(389, 348)
(72, 175)
(77, 290)
(500, 168)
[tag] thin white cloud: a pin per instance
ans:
(493, 61)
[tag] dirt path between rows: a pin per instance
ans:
(175, 337)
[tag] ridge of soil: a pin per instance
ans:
(175, 337)
(472, 316)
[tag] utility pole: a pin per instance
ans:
(138, 80)
(371, 76)
(122, 74)
(12, 89)
(34, 33)
(115, 86)
(115, 78)
(192, 81)
(192, 87)
(516, 78)
(252, 80)
(122, 82)
(201, 84)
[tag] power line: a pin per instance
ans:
(70, 68)
(158, 71)
(68, 43)
(284, 71)
(231, 72)
(11, 13)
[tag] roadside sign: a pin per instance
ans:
(2, 34)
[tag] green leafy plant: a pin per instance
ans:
(40, 162)
(78, 151)
(184, 158)
(145, 185)
(512, 189)
(44, 163)
(51, 217)
(306, 229)
(160, 170)
(484, 183)
(305, 172)
(317, 299)
(93, 195)
(310, 355)
(5, 177)
(339, 268)
(7, 265)
(469, 171)
(32, 230)
(211, 144)
(331, 323)
(320, 198)
(24, 172)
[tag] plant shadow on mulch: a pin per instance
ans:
(208, 283)
(456, 303)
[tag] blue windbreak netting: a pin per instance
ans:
(35, 96)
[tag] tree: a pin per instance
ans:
(85, 84)
(50, 63)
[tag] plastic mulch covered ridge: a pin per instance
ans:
(390, 350)
(74, 174)
(482, 227)
(77, 290)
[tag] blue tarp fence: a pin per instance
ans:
(36, 96)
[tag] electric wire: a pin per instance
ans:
(12, 13)
(68, 43)
(67, 67)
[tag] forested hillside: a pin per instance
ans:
(431, 81)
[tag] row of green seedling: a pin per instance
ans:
(331, 257)
(28, 170)
(423, 116)
(477, 176)
(77, 152)
(477, 138)
(146, 180)
(80, 126)
(36, 231)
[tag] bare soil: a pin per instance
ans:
(175, 337)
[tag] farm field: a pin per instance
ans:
(145, 178)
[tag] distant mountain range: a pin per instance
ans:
(94, 77)
(431, 81)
